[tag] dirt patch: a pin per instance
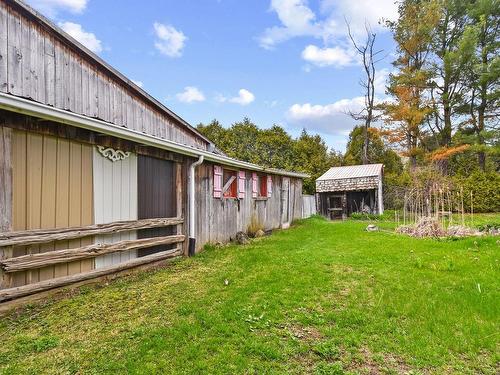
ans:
(367, 362)
(304, 333)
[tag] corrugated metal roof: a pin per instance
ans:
(352, 171)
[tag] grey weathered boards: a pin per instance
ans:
(156, 197)
(49, 68)
(219, 219)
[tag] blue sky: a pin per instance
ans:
(275, 61)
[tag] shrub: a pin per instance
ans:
(485, 189)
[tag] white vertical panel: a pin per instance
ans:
(115, 198)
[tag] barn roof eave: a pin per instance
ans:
(31, 108)
(76, 45)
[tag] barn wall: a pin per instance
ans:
(115, 199)
(37, 64)
(218, 220)
(52, 188)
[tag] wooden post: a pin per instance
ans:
(5, 197)
(181, 228)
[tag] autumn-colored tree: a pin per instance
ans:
(409, 109)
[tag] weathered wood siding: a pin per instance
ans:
(218, 220)
(115, 199)
(38, 64)
(52, 188)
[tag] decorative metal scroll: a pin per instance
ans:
(112, 154)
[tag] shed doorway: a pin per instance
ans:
(156, 198)
(285, 202)
(335, 207)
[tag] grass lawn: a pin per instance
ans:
(322, 297)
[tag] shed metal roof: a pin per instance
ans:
(352, 171)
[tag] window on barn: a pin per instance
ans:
(261, 187)
(229, 184)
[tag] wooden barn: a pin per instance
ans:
(344, 190)
(98, 177)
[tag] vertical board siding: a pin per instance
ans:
(52, 188)
(5, 195)
(35, 64)
(219, 219)
(115, 199)
(5, 179)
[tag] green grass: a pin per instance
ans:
(322, 297)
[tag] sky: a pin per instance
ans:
(286, 62)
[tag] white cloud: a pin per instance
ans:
(336, 56)
(381, 78)
(332, 119)
(190, 94)
(52, 7)
(88, 39)
(170, 41)
(327, 119)
(244, 97)
(358, 13)
(296, 18)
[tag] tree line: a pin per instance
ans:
(445, 85)
(308, 153)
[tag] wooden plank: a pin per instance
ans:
(3, 47)
(11, 293)
(30, 237)
(5, 196)
(14, 55)
(5, 179)
(50, 71)
(45, 259)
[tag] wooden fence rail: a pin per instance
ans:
(25, 290)
(25, 262)
(38, 236)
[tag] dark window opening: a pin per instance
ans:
(229, 184)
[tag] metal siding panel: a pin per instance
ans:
(115, 199)
(62, 202)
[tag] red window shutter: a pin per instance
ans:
(254, 185)
(242, 178)
(269, 186)
(217, 181)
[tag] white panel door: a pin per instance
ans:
(115, 199)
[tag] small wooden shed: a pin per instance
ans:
(344, 190)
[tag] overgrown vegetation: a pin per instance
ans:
(322, 297)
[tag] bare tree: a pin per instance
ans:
(369, 58)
